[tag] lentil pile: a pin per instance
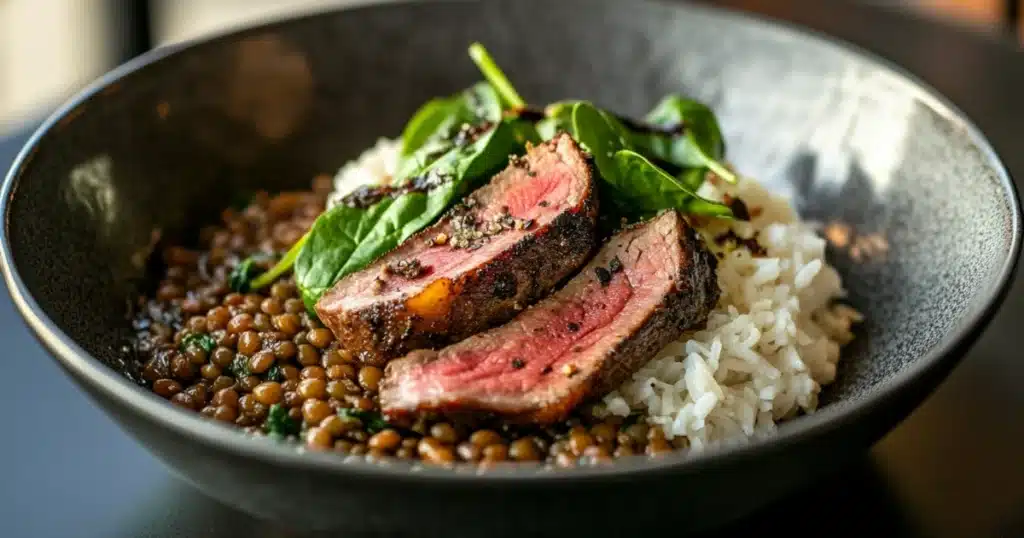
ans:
(258, 360)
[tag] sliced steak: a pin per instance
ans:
(644, 288)
(505, 247)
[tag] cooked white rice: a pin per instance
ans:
(769, 346)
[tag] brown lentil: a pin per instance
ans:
(166, 387)
(495, 452)
(483, 438)
(319, 438)
(444, 432)
(268, 393)
(369, 377)
(226, 397)
(261, 362)
(313, 388)
(320, 338)
(524, 449)
(434, 451)
(385, 440)
(315, 411)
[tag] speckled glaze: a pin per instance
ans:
(159, 145)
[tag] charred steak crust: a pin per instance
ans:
(694, 297)
(491, 293)
(686, 305)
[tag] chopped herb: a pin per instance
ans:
(279, 425)
(240, 367)
(275, 374)
(372, 420)
(615, 265)
(242, 275)
(603, 276)
(201, 340)
(518, 363)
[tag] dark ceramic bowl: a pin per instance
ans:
(162, 143)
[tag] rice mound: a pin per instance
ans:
(769, 346)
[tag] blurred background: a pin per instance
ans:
(51, 48)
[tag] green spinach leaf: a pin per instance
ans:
(201, 340)
(690, 138)
(346, 239)
(635, 187)
(649, 189)
(557, 117)
(434, 129)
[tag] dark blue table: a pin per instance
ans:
(954, 468)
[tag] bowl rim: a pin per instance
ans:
(114, 385)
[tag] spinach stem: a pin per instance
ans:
(495, 76)
(281, 267)
(721, 171)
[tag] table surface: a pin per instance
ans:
(954, 468)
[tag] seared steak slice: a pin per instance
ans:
(505, 247)
(644, 288)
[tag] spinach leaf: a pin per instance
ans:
(635, 187)
(279, 425)
(698, 143)
(558, 117)
(431, 118)
(495, 76)
(201, 340)
(601, 135)
(434, 129)
(346, 239)
(649, 189)
(372, 421)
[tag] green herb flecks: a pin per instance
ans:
(200, 340)
(372, 420)
(279, 425)
(239, 367)
(240, 279)
(275, 374)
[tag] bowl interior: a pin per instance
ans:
(164, 148)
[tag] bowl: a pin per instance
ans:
(157, 146)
